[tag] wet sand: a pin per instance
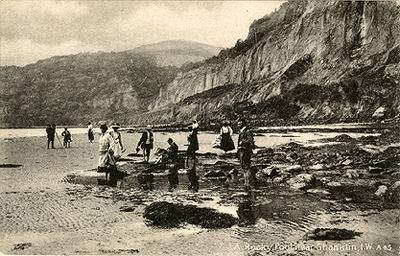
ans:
(56, 217)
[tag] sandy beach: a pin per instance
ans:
(41, 213)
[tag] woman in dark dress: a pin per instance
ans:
(226, 137)
(90, 132)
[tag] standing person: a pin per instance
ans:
(146, 143)
(90, 132)
(191, 157)
(245, 151)
(106, 159)
(226, 137)
(67, 138)
(50, 136)
(173, 157)
(117, 146)
(53, 126)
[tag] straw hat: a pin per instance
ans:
(115, 126)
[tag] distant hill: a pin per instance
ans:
(79, 88)
(75, 89)
(177, 52)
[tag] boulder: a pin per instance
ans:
(269, 172)
(351, 173)
(168, 215)
(375, 169)
(318, 191)
(396, 185)
(331, 234)
(347, 162)
(301, 181)
(294, 169)
(213, 174)
(317, 167)
(381, 190)
(334, 184)
(393, 193)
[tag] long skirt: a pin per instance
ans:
(90, 135)
(227, 142)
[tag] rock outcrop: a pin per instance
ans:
(318, 60)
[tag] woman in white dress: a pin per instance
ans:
(106, 159)
(117, 146)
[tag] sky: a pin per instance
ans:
(32, 30)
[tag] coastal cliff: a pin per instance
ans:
(308, 61)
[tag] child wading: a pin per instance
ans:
(67, 138)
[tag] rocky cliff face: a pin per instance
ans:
(348, 50)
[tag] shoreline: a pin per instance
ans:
(53, 204)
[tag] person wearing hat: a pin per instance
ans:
(226, 137)
(117, 146)
(67, 138)
(106, 159)
(173, 171)
(191, 158)
(50, 136)
(146, 143)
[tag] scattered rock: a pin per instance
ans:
(269, 172)
(246, 213)
(393, 193)
(317, 167)
(135, 155)
(351, 173)
(294, 169)
(375, 170)
(331, 234)
(127, 208)
(10, 165)
(215, 174)
(343, 138)
(347, 162)
(168, 215)
(334, 184)
(318, 191)
(119, 251)
(396, 185)
(21, 246)
(302, 180)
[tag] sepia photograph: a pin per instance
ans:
(185, 127)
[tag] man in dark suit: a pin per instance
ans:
(245, 151)
(191, 157)
(50, 136)
(146, 143)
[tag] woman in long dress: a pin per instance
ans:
(117, 145)
(226, 137)
(90, 132)
(106, 159)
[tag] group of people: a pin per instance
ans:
(52, 133)
(111, 149)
